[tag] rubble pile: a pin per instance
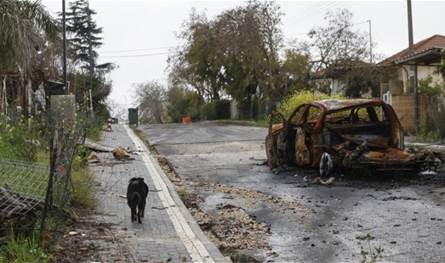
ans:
(252, 197)
(233, 228)
(204, 220)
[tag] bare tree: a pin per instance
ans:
(337, 43)
(151, 100)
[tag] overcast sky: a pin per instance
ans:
(139, 34)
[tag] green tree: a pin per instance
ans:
(194, 65)
(236, 54)
(84, 38)
(83, 35)
(295, 70)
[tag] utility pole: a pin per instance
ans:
(370, 41)
(53, 141)
(413, 67)
(91, 66)
(64, 47)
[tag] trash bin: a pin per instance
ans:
(133, 118)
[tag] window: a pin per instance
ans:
(314, 114)
(297, 117)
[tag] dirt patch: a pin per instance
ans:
(88, 240)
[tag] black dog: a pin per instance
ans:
(137, 192)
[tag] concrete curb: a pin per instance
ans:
(198, 246)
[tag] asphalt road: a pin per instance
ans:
(403, 215)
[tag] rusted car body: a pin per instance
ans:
(362, 134)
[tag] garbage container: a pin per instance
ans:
(133, 116)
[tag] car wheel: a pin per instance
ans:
(326, 165)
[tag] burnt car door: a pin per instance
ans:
(304, 136)
(280, 140)
(274, 140)
(299, 152)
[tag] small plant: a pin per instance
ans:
(183, 194)
(23, 250)
(369, 254)
(372, 255)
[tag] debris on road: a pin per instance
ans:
(94, 146)
(232, 228)
(121, 154)
(93, 158)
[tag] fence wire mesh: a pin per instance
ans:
(22, 187)
(68, 130)
(36, 156)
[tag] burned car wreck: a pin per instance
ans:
(362, 135)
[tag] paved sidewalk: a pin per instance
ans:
(168, 232)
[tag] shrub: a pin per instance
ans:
(427, 87)
(215, 110)
(181, 102)
(288, 105)
(434, 128)
(20, 139)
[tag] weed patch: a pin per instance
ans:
(82, 191)
(23, 250)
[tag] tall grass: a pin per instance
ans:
(23, 250)
(82, 193)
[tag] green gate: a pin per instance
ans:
(133, 116)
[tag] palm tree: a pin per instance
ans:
(25, 26)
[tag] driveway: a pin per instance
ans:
(394, 218)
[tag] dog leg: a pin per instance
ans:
(142, 208)
(133, 214)
(139, 216)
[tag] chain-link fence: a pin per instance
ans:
(36, 157)
(22, 187)
(68, 130)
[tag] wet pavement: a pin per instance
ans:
(396, 218)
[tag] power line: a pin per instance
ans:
(140, 49)
(138, 55)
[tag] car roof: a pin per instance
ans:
(340, 104)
